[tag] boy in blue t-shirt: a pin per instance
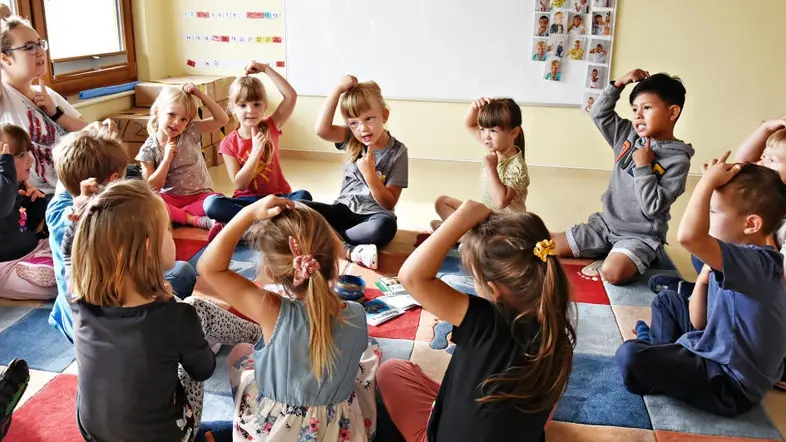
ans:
(723, 347)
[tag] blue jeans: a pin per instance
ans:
(222, 208)
(182, 277)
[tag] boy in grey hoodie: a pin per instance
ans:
(649, 174)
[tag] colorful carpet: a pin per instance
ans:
(595, 407)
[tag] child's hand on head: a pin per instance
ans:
(347, 83)
(256, 67)
(192, 89)
(644, 156)
(269, 207)
(5, 11)
(776, 124)
(5, 149)
(87, 188)
(482, 101)
(473, 210)
(491, 161)
(633, 76)
(719, 172)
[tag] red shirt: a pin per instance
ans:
(269, 178)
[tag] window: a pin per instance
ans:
(91, 42)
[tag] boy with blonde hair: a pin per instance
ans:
(94, 153)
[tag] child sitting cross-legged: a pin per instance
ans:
(171, 157)
(650, 169)
(514, 342)
(311, 376)
(723, 347)
(496, 123)
(251, 153)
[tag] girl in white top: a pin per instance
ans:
(42, 112)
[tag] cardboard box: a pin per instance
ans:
(203, 112)
(132, 125)
(219, 157)
(209, 154)
(215, 87)
(145, 93)
(219, 135)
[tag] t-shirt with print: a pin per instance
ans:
(745, 332)
(392, 165)
(188, 174)
(513, 173)
(268, 178)
(15, 108)
(485, 346)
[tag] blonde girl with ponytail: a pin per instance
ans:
(301, 380)
(514, 342)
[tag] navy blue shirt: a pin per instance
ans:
(746, 318)
(17, 238)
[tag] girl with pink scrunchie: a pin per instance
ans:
(312, 375)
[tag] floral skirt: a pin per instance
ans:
(258, 418)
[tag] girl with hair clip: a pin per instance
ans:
(376, 172)
(504, 177)
(251, 153)
(26, 267)
(142, 354)
(41, 112)
(514, 342)
(171, 157)
(280, 397)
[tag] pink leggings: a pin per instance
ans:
(179, 206)
(408, 394)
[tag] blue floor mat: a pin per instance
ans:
(37, 342)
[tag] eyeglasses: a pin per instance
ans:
(31, 47)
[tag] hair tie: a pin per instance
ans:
(304, 265)
(544, 249)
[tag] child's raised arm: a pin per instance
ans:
(325, 128)
(611, 125)
(751, 149)
(419, 273)
(287, 106)
(213, 266)
(694, 230)
(471, 122)
(218, 117)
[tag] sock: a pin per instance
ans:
(203, 222)
(365, 254)
(642, 331)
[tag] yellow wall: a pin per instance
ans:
(728, 57)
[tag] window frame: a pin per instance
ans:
(74, 82)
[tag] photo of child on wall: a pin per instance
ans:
(540, 49)
(589, 99)
(557, 45)
(581, 6)
(596, 77)
(577, 51)
(557, 23)
(607, 20)
(553, 70)
(602, 3)
(542, 5)
(598, 51)
(541, 25)
(576, 26)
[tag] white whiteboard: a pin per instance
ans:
(434, 50)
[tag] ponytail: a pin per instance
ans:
(321, 305)
(267, 149)
(519, 141)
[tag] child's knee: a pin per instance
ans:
(628, 359)
(390, 373)
(619, 272)
(210, 205)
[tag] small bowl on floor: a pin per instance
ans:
(350, 287)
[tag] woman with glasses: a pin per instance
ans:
(42, 112)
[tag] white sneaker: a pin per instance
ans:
(365, 255)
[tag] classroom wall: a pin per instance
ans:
(728, 57)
